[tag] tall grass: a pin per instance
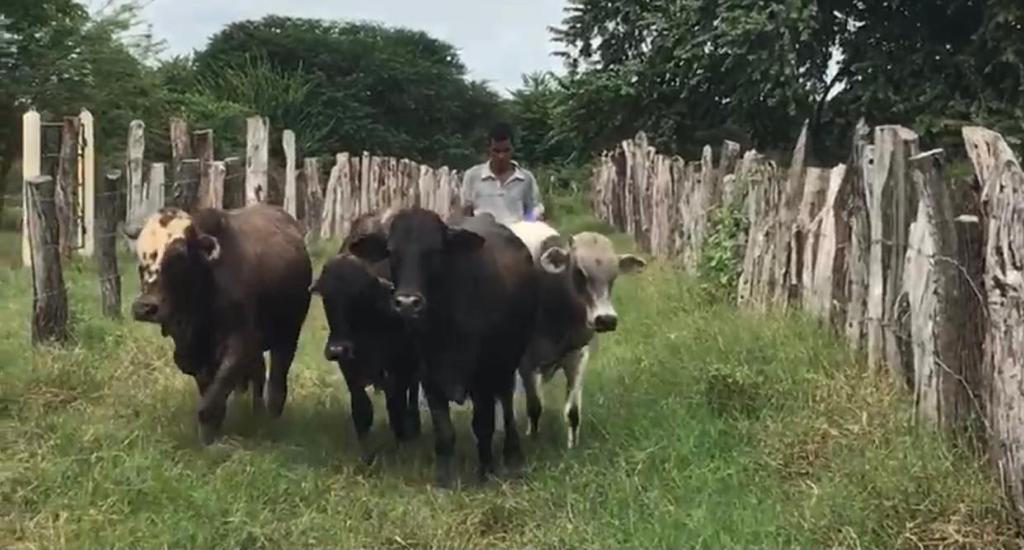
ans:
(703, 427)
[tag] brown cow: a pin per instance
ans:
(226, 286)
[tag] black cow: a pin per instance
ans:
(368, 339)
(469, 294)
(226, 286)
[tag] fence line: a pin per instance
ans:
(912, 267)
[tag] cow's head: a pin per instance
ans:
(352, 296)
(174, 263)
(418, 246)
(593, 265)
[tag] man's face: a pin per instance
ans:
(501, 155)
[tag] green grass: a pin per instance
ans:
(703, 427)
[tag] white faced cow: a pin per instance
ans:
(577, 275)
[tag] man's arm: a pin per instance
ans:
(534, 206)
(466, 193)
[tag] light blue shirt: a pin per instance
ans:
(517, 199)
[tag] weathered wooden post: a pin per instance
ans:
(31, 165)
(214, 197)
(203, 147)
(136, 190)
(314, 199)
(87, 175)
(256, 155)
(291, 202)
(234, 183)
(1002, 181)
(106, 243)
(941, 305)
(67, 186)
(49, 297)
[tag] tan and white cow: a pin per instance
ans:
(578, 275)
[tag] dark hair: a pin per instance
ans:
(500, 132)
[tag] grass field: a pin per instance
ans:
(703, 427)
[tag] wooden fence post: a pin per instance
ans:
(1002, 181)
(234, 183)
(941, 305)
(892, 207)
(214, 197)
(256, 155)
(106, 242)
(314, 198)
(31, 166)
(87, 175)
(291, 202)
(203, 147)
(49, 297)
(136, 149)
(67, 186)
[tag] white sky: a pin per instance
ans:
(497, 41)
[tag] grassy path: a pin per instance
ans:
(703, 427)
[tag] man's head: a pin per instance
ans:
(499, 147)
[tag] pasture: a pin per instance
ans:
(704, 426)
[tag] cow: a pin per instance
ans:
(226, 286)
(577, 276)
(367, 337)
(469, 294)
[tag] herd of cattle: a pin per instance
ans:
(456, 307)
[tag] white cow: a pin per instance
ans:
(577, 278)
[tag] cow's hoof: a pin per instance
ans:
(207, 434)
(275, 402)
(444, 477)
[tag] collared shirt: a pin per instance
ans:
(507, 202)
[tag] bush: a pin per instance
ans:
(721, 257)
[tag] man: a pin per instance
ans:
(500, 186)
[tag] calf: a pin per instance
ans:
(469, 295)
(577, 276)
(226, 286)
(368, 339)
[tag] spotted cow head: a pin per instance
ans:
(595, 266)
(174, 262)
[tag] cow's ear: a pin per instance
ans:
(209, 247)
(554, 259)
(371, 247)
(629, 263)
(463, 240)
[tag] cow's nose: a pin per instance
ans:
(144, 310)
(605, 323)
(338, 351)
(409, 302)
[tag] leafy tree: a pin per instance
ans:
(758, 67)
(354, 86)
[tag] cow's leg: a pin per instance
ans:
(483, 429)
(534, 404)
(396, 396)
(412, 408)
(444, 438)
(213, 404)
(575, 365)
(258, 377)
(512, 451)
(362, 412)
(277, 392)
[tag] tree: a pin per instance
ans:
(354, 86)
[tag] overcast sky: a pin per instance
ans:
(498, 41)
